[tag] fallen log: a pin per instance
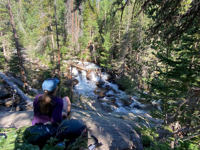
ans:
(21, 84)
(29, 103)
(79, 67)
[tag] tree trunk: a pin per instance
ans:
(119, 31)
(77, 30)
(52, 40)
(166, 93)
(72, 20)
(75, 25)
(94, 51)
(20, 5)
(105, 19)
(57, 41)
(17, 47)
(98, 7)
(125, 43)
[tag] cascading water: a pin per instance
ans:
(88, 88)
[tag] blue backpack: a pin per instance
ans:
(68, 129)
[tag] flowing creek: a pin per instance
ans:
(110, 95)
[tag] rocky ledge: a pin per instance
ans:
(114, 130)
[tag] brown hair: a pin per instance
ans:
(45, 101)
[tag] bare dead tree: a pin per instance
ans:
(17, 47)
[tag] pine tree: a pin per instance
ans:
(178, 68)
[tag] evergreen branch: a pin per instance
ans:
(196, 145)
(182, 130)
(190, 137)
(122, 8)
(187, 100)
(133, 9)
(184, 26)
(143, 7)
(78, 140)
(167, 18)
(58, 132)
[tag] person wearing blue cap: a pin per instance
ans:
(48, 107)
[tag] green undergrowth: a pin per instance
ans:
(16, 139)
(151, 139)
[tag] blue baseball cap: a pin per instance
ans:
(50, 84)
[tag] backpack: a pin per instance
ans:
(68, 129)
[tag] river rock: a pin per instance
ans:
(113, 100)
(75, 82)
(89, 77)
(136, 106)
(103, 99)
(107, 87)
(114, 104)
(100, 84)
(126, 102)
(142, 100)
(100, 97)
(157, 104)
(109, 107)
(69, 82)
(3, 92)
(79, 70)
(117, 104)
(110, 95)
(100, 93)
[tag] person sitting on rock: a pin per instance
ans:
(48, 107)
